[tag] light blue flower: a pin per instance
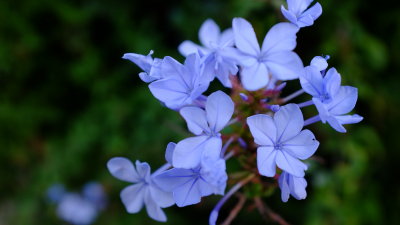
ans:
(150, 66)
(77, 210)
(334, 111)
(276, 56)
(282, 142)
(189, 185)
(181, 84)
(291, 185)
(144, 191)
(206, 124)
(215, 43)
(298, 13)
(320, 87)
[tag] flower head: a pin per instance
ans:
(144, 191)
(150, 66)
(298, 13)
(282, 142)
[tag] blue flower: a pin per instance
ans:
(215, 45)
(282, 142)
(181, 84)
(298, 13)
(206, 124)
(143, 191)
(150, 66)
(320, 87)
(291, 185)
(276, 56)
(342, 103)
(189, 185)
(77, 210)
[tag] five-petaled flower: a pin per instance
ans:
(298, 13)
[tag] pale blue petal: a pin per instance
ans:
(322, 109)
(305, 21)
(133, 197)
(263, 129)
(212, 148)
(281, 37)
(332, 82)
(172, 179)
(143, 170)
(123, 169)
(153, 209)
(188, 47)
(245, 37)
(289, 122)
(314, 11)
(297, 187)
(254, 77)
(188, 193)
(349, 119)
(209, 33)
(188, 152)
(172, 92)
(146, 78)
(302, 146)
(319, 62)
(206, 189)
(266, 161)
(219, 108)
(298, 6)
(284, 186)
(284, 65)
(344, 101)
(169, 152)
(335, 124)
(226, 39)
(289, 15)
(290, 164)
(142, 61)
(196, 119)
(312, 81)
(163, 198)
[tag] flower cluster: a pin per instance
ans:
(266, 133)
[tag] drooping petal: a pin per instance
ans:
(123, 169)
(281, 37)
(298, 187)
(153, 209)
(290, 164)
(209, 33)
(196, 119)
(289, 122)
(254, 77)
(284, 186)
(289, 15)
(163, 198)
(219, 108)
(245, 37)
(344, 101)
(169, 152)
(314, 11)
(349, 119)
(188, 193)
(335, 124)
(263, 129)
(312, 81)
(142, 61)
(188, 152)
(266, 164)
(302, 146)
(332, 82)
(188, 47)
(133, 197)
(284, 65)
(322, 109)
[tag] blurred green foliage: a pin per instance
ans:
(68, 103)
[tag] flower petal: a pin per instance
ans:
(289, 122)
(164, 199)
(209, 33)
(169, 152)
(171, 179)
(302, 146)
(266, 163)
(123, 169)
(245, 37)
(344, 101)
(196, 119)
(133, 197)
(219, 108)
(281, 37)
(319, 62)
(188, 152)
(290, 164)
(263, 129)
(254, 77)
(284, 65)
(188, 193)
(312, 81)
(153, 209)
(172, 92)
(332, 82)
(188, 47)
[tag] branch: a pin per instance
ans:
(265, 210)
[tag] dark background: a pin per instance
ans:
(68, 103)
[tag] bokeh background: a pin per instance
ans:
(68, 103)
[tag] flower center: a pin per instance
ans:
(278, 146)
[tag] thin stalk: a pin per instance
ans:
(312, 120)
(304, 104)
(292, 96)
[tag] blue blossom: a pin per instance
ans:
(298, 13)
(291, 185)
(77, 210)
(282, 142)
(215, 45)
(206, 124)
(94, 192)
(150, 66)
(320, 87)
(144, 191)
(55, 193)
(181, 84)
(189, 185)
(333, 112)
(276, 56)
